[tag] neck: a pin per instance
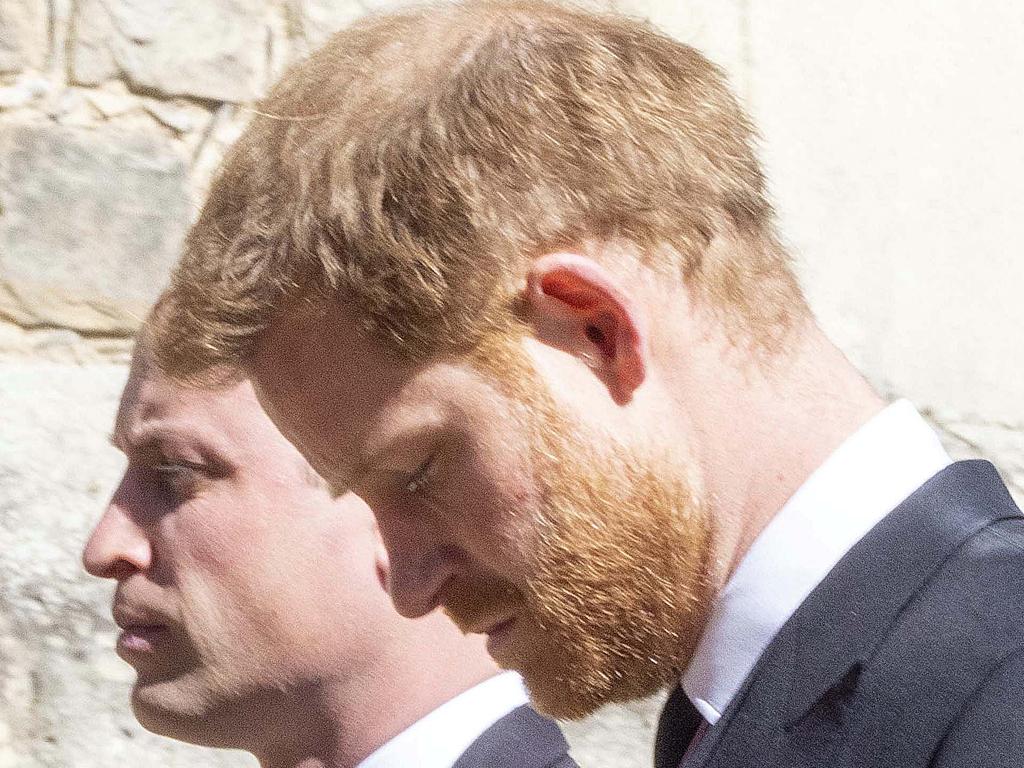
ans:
(765, 427)
(316, 728)
(343, 721)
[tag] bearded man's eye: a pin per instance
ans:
(421, 478)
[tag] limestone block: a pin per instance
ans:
(223, 129)
(893, 135)
(23, 34)
(63, 691)
(25, 89)
(180, 116)
(90, 224)
(215, 49)
(313, 21)
(113, 101)
(69, 106)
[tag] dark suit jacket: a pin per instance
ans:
(909, 653)
(521, 739)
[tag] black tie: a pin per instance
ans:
(694, 741)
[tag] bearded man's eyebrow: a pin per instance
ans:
(317, 480)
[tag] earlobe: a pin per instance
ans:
(579, 307)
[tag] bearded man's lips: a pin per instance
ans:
(479, 606)
(497, 628)
(499, 635)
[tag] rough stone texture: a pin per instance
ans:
(311, 22)
(63, 345)
(894, 145)
(896, 153)
(25, 88)
(619, 736)
(23, 34)
(90, 222)
(215, 49)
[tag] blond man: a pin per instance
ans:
(252, 605)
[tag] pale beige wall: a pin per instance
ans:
(894, 142)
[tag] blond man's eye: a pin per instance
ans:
(176, 479)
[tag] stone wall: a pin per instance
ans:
(893, 138)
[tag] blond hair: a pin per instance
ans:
(413, 166)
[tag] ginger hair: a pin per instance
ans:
(412, 167)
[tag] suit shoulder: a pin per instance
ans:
(989, 731)
(521, 739)
(988, 572)
(970, 609)
(951, 638)
(1009, 532)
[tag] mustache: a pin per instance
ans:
(476, 607)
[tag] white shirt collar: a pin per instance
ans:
(863, 480)
(439, 739)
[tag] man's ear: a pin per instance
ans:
(576, 305)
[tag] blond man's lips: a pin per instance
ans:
(140, 639)
(141, 630)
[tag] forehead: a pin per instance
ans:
(154, 408)
(343, 397)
